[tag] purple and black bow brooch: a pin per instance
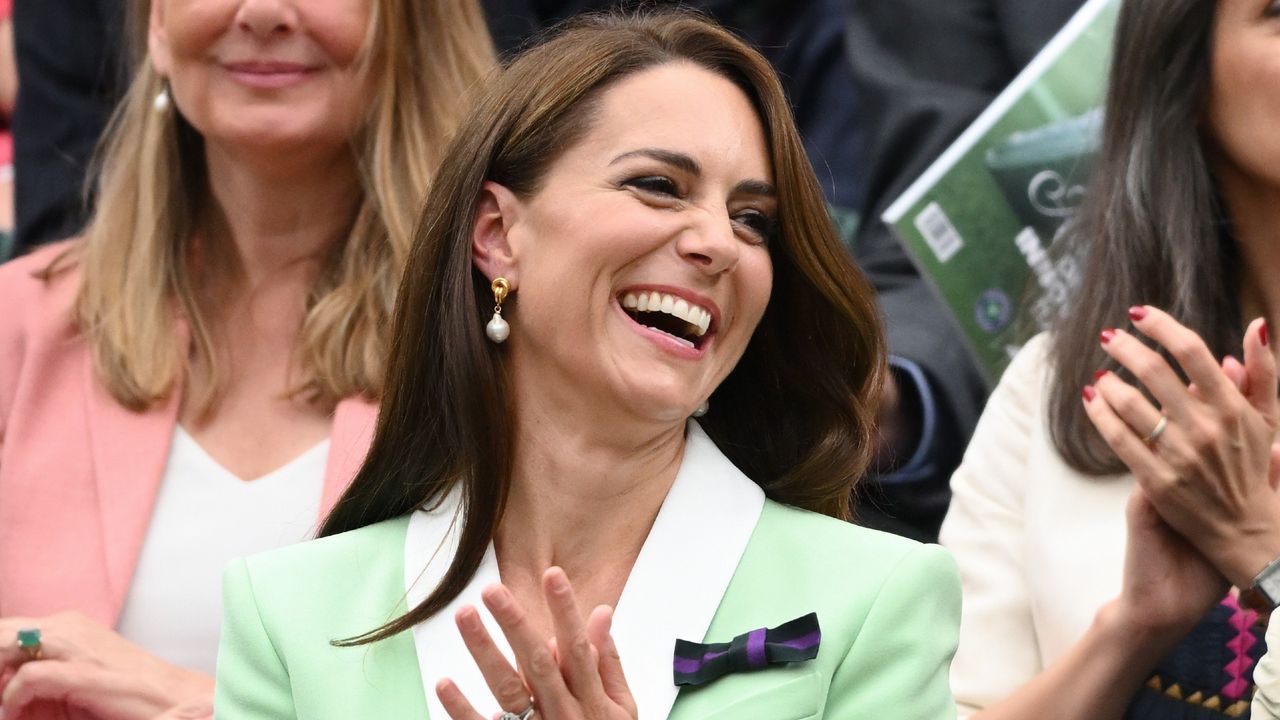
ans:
(794, 641)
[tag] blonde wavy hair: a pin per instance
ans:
(137, 278)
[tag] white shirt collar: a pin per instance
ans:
(673, 591)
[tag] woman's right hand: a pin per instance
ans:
(575, 674)
(87, 666)
(1168, 586)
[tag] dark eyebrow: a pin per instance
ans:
(683, 162)
(756, 187)
(680, 161)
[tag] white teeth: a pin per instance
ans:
(681, 310)
(644, 301)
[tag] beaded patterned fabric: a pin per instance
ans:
(1209, 675)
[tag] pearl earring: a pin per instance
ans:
(161, 101)
(498, 329)
(702, 409)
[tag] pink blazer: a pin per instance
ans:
(79, 473)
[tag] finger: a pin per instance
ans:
(11, 656)
(579, 661)
(100, 692)
(1260, 366)
(540, 669)
(507, 685)
(1186, 347)
(1130, 405)
(612, 677)
(1236, 373)
(454, 702)
(1147, 467)
(1149, 368)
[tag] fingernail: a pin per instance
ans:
(1089, 393)
(1263, 335)
(1098, 375)
(1107, 335)
(1137, 313)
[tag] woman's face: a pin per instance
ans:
(641, 266)
(1244, 97)
(264, 73)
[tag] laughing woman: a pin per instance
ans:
(624, 234)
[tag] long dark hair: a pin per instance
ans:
(795, 414)
(1152, 226)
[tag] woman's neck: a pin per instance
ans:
(583, 497)
(275, 218)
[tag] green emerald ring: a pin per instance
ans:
(29, 643)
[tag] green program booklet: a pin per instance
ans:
(981, 220)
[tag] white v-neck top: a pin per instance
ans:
(204, 517)
(690, 554)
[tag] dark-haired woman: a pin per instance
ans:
(1121, 479)
(625, 230)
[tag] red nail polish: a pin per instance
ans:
(1137, 312)
(1107, 335)
(1098, 375)
(1263, 334)
(1089, 393)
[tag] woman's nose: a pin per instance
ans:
(711, 244)
(265, 18)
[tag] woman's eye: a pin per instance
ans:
(655, 184)
(758, 223)
(1273, 10)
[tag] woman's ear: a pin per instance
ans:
(492, 251)
(158, 39)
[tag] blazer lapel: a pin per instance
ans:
(674, 589)
(683, 569)
(354, 421)
(431, 542)
(129, 450)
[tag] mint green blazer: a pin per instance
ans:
(889, 609)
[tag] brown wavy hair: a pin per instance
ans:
(795, 414)
(137, 272)
(1153, 227)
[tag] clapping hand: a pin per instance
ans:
(574, 675)
(1205, 457)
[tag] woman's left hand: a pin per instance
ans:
(1210, 472)
(87, 666)
(574, 675)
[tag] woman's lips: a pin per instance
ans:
(269, 75)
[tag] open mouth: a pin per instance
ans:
(685, 322)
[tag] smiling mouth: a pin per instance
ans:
(685, 322)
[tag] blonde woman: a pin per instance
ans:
(194, 378)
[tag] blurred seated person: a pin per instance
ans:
(586, 279)
(1121, 479)
(194, 378)
(924, 71)
(73, 63)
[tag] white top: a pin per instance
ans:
(711, 506)
(1039, 545)
(204, 517)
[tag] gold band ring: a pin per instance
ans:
(1157, 431)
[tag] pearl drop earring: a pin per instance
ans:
(161, 101)
(702, 409)
(498, 329)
